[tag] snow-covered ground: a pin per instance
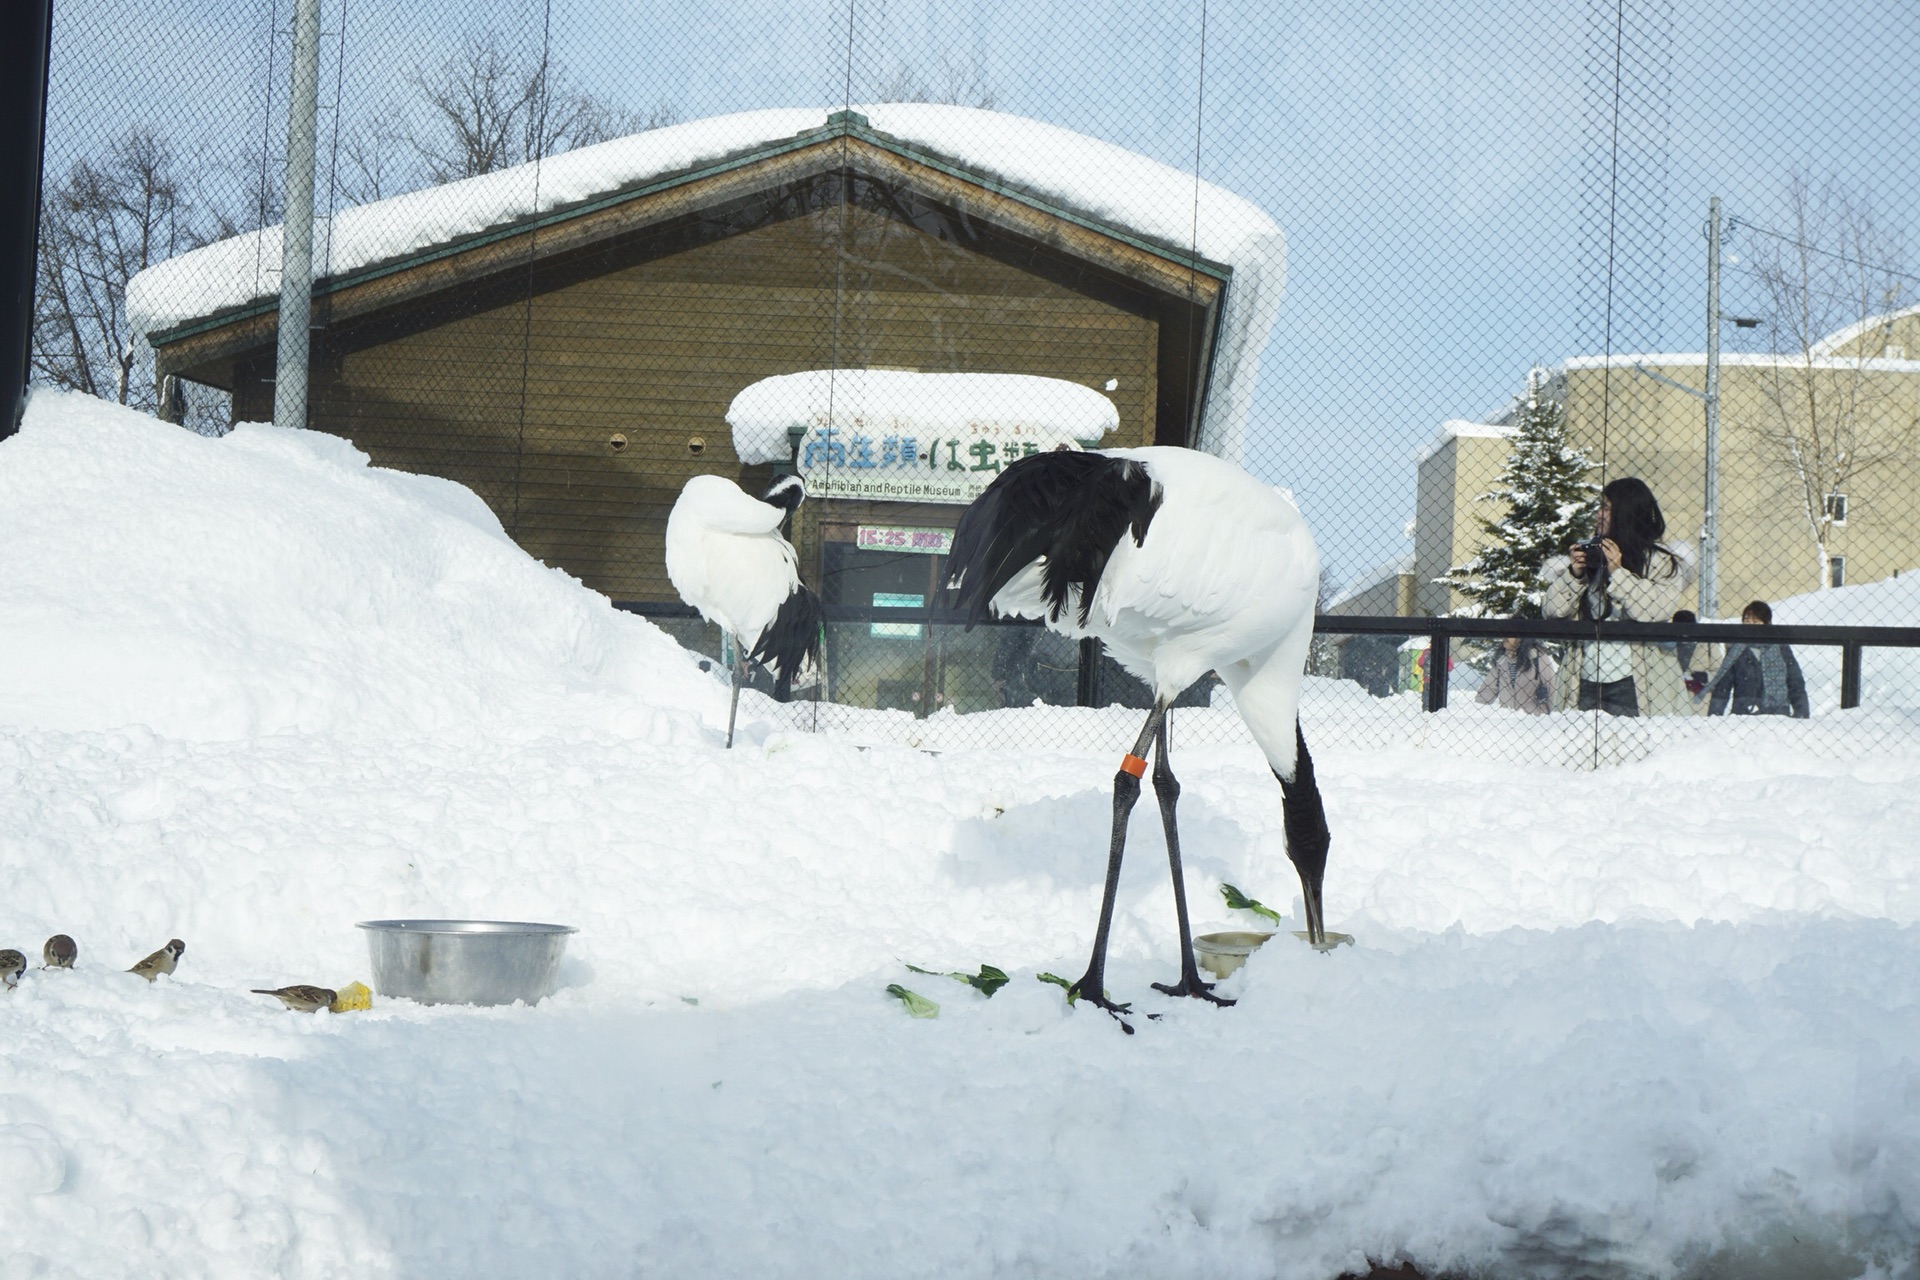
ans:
(1658, 1019)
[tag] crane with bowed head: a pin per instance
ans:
(1180, 564)
(728, 559)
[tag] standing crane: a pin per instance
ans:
(727, 558)
(1180, 564)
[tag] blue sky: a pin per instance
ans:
(1433, 164)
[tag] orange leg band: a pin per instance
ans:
(1134, 765)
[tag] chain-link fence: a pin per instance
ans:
(1443, 271)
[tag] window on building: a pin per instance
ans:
(1836, 571)
(1837, 507)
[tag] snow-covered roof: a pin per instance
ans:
(1140, 197)
(1371, 578)
(1833, 343)
(1454, 428)
(1740, 359)
(902, 402)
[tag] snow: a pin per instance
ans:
(1454, 428)
(1841, 339)
(901, 402)
(1740, 359)
(1371, 578)
(1888, 677)
(1084, 175)
(1651, 1021)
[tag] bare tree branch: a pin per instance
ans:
(954, 82)
(1829, 414)
(112, 217)
(490, 108)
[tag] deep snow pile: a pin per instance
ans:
(272, 582)
(1651, 1021)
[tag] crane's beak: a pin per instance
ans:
(1316, 916)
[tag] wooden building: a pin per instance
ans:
(574, 366)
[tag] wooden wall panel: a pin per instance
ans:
(656, 352)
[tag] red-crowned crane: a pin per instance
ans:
(726, 557)
(1180, 564)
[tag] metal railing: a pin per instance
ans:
(1441, 632)
(1852, 641)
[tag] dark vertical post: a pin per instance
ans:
(927, 677)
(1439, 654)
(1850, 655)
(1086, 691)
(23, 101)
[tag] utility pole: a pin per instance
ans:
(296, 244)
(1710, 521)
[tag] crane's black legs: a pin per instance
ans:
(1126, 790)
(1167, 789)
(739, 678)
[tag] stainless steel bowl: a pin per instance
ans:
(465, 961)
(1222, 953)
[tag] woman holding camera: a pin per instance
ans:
(1623, 572)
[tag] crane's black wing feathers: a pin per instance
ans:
(792, 639)
(1069, 508)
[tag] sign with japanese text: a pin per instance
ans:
(839, 462)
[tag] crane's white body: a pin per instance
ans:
(727, 558)
(1225, 580)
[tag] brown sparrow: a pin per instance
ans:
(160, 961)
(12, 965)
(300, 998)
(59, 953)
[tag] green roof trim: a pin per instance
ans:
(840, 124)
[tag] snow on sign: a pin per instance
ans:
(901, 436)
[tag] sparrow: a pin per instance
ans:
(12, 965)
(160, 961)
(300, 997)
(59, 952)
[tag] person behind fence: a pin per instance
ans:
(1623, 572)
(1520, 678)
(1759, 679)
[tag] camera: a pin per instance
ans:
(1596, 556)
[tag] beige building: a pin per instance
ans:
(1819, 461)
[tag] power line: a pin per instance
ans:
(1758, 276)
(1733, 223)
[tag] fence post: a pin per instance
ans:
(1439, 655)
(25, 67)
(1850, 655)
(1086, 692)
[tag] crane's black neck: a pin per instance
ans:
(1303, 813)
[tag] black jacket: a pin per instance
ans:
(1740, 686)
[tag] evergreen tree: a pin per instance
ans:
(1549, 504)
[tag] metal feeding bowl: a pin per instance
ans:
(465, 961)
(1222, 953)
